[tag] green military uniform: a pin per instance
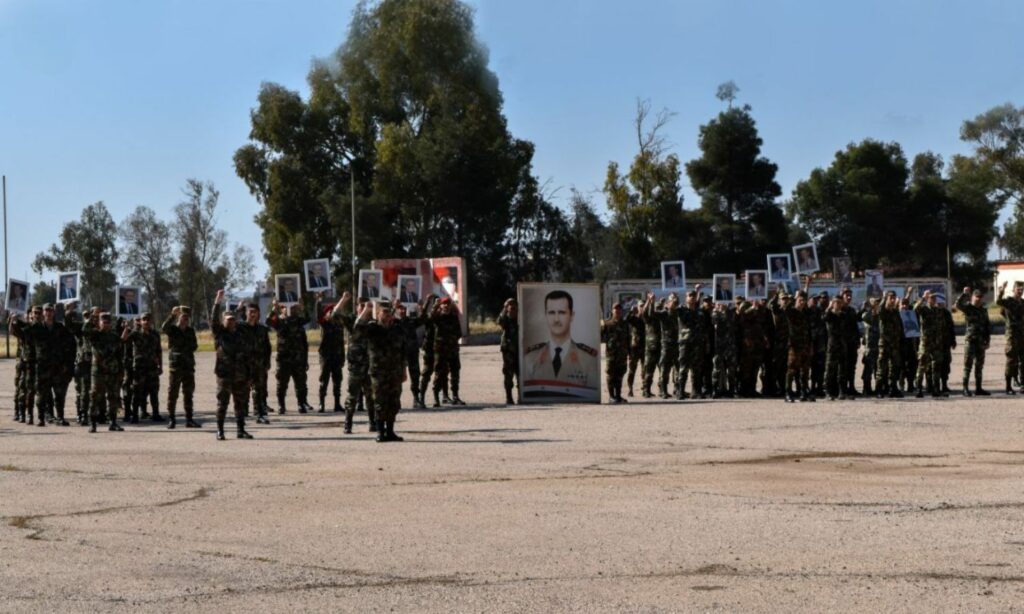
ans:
(107, 354)
(386, 348)
(615, 334)
(83, 365)
(234, 369)
(636, 347)
(509, 352)
(946, 345)
(890, 344)
(669, 324)
(359, 386)
(851, 332)
(871, 341)
(800, 351)
(754, 345)
(819, 341)
(447, 332)
(1013, 315)
(768, 367)
(429, 333)
(930, 350)
(908, 355)
(146, 369)
(977, 338)
(704, 370)
(259, 337)
(835, 354)
(292, 358)
(780, 351)
(410, 325)
(725, 360)
(127, 372)
(690, 343)
(652, 347)
(54, 348)
(26, 385)
(332, 355)
(181, 347)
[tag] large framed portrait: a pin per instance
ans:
(937, 288)
(911, 327)
(286, 289)
(16, 300)
(673, 275)
(370, 285)
(410, 291)
(68, 285)
(842, 270)
(128, 301)
(779, 268)
(318, 274)
(756, 284)
(559, 341)
(629, 299)
(874, 283)
(724, 285)
(806, 258)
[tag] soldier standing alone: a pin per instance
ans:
(1013, 314)
(386, 344)
(181, 347)
(976, 339)
(508, 320)
(615, 332)
(292, 354)
(234, 367)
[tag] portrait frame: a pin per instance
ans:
(812, 267)
(307, 265)
(748, 291)
(16, 306)
(937, 288)
(279, 281)
(717, 291)
(61, 277)
(911, 326)
(842, 270)
(417, 296)
(364, 289)
(775, 276)
(121, 308)
(874, 283)
(628, 299)
(578, 377)
(666, 283)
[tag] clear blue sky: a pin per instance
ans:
(122, 100)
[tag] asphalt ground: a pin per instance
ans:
(733, 505)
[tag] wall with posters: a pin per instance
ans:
(445, 277)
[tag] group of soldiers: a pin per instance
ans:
(116, 364)
(803, 346)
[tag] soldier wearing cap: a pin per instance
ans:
(331, 350)
(83, 360)
(1013, 313)
(147, 367)
(358, 358)
(977, 338)
(890, 347)
(181, 348)
(233, 367)
(447, 333)
(615, 334)
(508, 320)
(652, 342)
(259, 338)
(410, 324)
(107, 353)
(54, 348)
(851, 332)
(292, 353)
(25, 373)
(386, 344)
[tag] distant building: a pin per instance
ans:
(1009, 271)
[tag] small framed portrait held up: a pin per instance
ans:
(370, 285)
(128, 302)
(410, 290)
(673, 275)
(806, 258)
(842, 270)
(779, 268)
(756, 284)
(725, 287)
(318, 274)
(873, 283)
(286, 289)
(17, 296)
(68, 287)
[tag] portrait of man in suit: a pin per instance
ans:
(779, 268)
(128, 302)
(724, 284)
(806, 258)
(756, 287)
(17, 296)
(369, 284)
(673, 275)
(561, 360)
(317, 277)
(67, 288)
(288, 289)
(409, 288)
(873, 281)
(842, 270)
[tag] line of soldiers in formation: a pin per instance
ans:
(116, 364)
(804, 346)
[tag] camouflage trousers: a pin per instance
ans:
(185, 382)
(850, 365)
(83, 382)
(447, 364)
(974, 359)
(237, 391)
(615, 366)
(428, 369)
(387, 398)
(888, 368)
(510, 368)
(288, 372)
(798, 367)
(870, 364)
(128, 390)
(359, 387)
(725, 367)
(780, 365)
(1014, 349)
(751, 361)
(260, 390)
(929, 361)
(26, 387)
(688, 363)
(105, 395)
(668, 366)
(818, 368)
(652, 356)
(412, 362)
(835, 368)
(146, 388)
(636, 360)
(330, 372)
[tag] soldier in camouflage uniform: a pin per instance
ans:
(148, 366)
(706, 360)
(869, 315)
(386, 345)
(429, 333)
(754, 344)
(819, 343)
(1013, 315)
(669, 322)
(83, 360)
(234, 366)
(181, 348)
(635, 321)
(930, 352)
(615, 334)
(508, 320)
(800, 350)
(890, 341)
(54, 348)
(851, 330)
(25, 396)
(652, 342)
(331, 350)
(724, 321)
(835, 353)
(690, 344)
(780, 352)
(909, 348)
(127, 370)
(358, 357)
(410, 325)
(447, 332)
(976, 338)
(259, 337)
(767, 367)
(107, 354)
(947, 345)
(292, 353)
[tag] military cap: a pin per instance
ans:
(146, 316)
(47, 306)
(184, 310)
(801, 294)
(105, 315)
(978, 293)
(708, 299)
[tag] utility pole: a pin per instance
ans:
(8, 335)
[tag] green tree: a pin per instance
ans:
(201, 246)
(737, 189)
(589, 254)
(88, 246)
(146, 248)
(44, 292)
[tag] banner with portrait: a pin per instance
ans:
(16, 300)
(559, 343)
(69, 286)
(445, 277)
(128, 302)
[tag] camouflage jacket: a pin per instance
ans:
(234, 349)
(409, 325)
(292, 345)
(751, 322)
(386, 346)
(74, 323)
(107, 350)
(53, 346)
(148, 355)
(1013, 313)
(931, 325)
(332, 335)
(652, 330)
(872, 327)
(725, 331)
(637, 334)
(979, 329)
(181, 346)
(834, 327)
(890, 328)
(509, 332)
(447, 332)
(615, 334)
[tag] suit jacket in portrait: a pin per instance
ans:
(67, 293)
(318, 282)
(369, 291)
(409, 297)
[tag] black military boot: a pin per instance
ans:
(967, 388)
(172, 421)
(92, 426)
(189, 422)
(60, 421)
(242, 434)
(323, 397)
(220, 429)
(156, 412)
(142, 409)
(381, 431)
(1009, 386)
(114, 426)
(437, 398)
(302, 405)
(348, 425)
(280, 405)
(391, 435)
(337, 403)
(508, 397)
(618, 393)
(612, 399)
